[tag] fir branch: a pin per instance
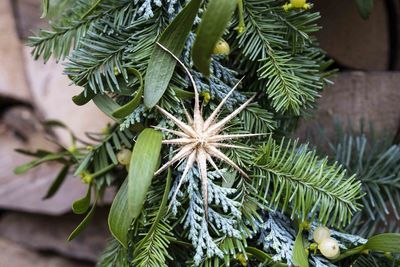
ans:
(283, 55)
(113, 256)
(101, 156)
(292, 176)
(67, 33)
(154, 251)
(257, 120)
(377, 164)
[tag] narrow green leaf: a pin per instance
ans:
(57, 182)
(388, 242)
(212, 26)
(83, 98)
(299, 257)
(88, 218)
(161, 65)
(183, 94)
(80, 206)
(365, 7)
(145, 156)
(45, 8)
(129, 107)
(119, 220)
(263, 257)
(90, 11)
(111, 153)
(106, 104)
(83, 165)
(160, 213)
(38, 153)
(104, 170)
(25, 167)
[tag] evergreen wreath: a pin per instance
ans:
(232, 189)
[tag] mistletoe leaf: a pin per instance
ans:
(365, 7)
(84, 163)
(161, 65)
(143, 164)
(84, 97)
(300, 257)
(212, 26)
(57, 182)
(129, 107)
(80, 206)
(27, 166)
(119, 220)
(388, 242)
(106, 104)
(183, 94)
(84, 223)
(160, 213)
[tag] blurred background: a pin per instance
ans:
(33, 231)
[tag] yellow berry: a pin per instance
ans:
(206, 97)
(329, 247)
(298, 3)
(320, 233)
(86, 178)
(242, 259)
(116, 71)
(73, 149)
(124, 156)
(221, 48)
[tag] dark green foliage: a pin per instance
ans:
(293, 177)
(108, 44)
(278, 45)
(377, 165)
(113, 256)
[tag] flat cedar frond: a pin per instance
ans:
(292, 176)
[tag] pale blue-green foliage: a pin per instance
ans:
(320, 262)
(135, 117)
(223, 213)
(277, 237)
(146, 7)
(220, 82)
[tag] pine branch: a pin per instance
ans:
(291, 176)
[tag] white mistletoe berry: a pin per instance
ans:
(124, 156)
(320, 233)
(329, 247)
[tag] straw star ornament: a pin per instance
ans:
(200, 140)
